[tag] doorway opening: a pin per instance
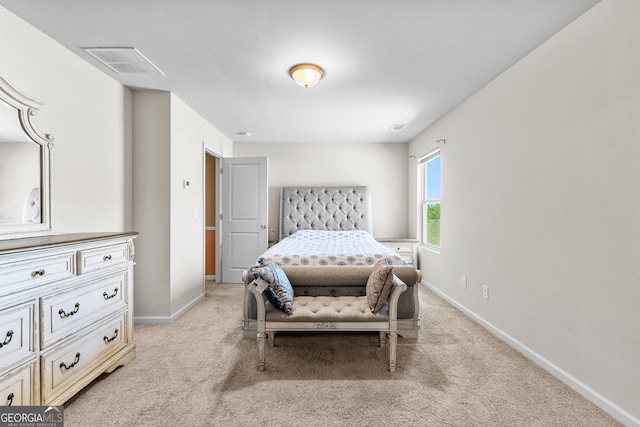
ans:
(211, 246)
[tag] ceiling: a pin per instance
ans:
(387, 62)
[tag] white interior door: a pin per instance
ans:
(244, 223)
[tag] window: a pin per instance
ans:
(430, 171)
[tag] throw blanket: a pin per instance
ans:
(323, 247)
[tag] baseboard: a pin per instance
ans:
(596, 398)
(168, 319)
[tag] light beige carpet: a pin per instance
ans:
(199, 371)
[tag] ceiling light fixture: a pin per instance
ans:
(306, 75)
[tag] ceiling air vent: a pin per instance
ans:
(123, 60)
(397, 128)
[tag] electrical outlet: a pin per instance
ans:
(464, 281)
(485, 292)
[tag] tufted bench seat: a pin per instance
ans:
(333, 281)
(337, 313)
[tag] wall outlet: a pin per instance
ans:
(464, 281)
(485, 292)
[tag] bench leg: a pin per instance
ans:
(393, 343)
(383, 339)
(261, 340)
(272, 337)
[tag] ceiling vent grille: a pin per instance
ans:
(123, 60)
(397, 128)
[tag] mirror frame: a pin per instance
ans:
(26, 108)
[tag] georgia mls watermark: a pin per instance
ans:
(32, 416)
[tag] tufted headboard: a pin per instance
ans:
(324, 208)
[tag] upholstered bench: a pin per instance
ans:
(340, 281)
(336, 313)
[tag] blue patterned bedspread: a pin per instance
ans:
(322, 247)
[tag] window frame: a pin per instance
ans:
(425, 201)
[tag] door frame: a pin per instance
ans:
(208, 152)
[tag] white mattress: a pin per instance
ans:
(322, 247)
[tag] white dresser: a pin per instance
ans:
(404, 247)
(66, 314)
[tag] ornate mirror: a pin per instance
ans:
(25, 167)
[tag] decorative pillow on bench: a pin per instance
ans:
(379, 285)
(275, 283)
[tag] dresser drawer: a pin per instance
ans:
(399, 246)
(70, 310)
(64, 365)
(17, 333)
(37, 271)
(103, 257)
(16, 387)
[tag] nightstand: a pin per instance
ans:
(405, 247)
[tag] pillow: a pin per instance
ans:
(379, 285)
(274, 283)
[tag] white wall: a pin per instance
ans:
(88, 113)
(381, 166)
(169, 142)
(152, 203)
(541, 202)
(189, 132)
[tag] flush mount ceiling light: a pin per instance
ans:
(306, 75)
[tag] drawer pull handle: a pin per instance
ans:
(10, 399)
(107, 340)
(64, 314)
(75, 362)
(38, 273)
(106, 258)
(7, 339)
(107, 296)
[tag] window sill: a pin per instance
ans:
(434, 249)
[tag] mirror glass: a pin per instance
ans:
(20, 172)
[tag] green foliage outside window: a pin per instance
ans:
(433, 224)
(431, 175)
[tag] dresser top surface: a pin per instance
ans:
(397, 239)
(14, 245)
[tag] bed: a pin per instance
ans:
(331, 226)
(325, 247)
